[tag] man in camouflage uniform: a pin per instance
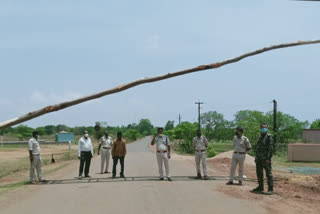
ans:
(264, 150)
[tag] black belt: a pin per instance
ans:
(105, 147)
(200, 150)
(161, 151)
(242, 153)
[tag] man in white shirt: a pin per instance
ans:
(241, 146)
(163, 152)
(85, 154)
(106, 143)
(200, 144)
(35, 158)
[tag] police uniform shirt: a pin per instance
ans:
(200, 143)
(106, 142)
(162, 143)
(241, 144)
(34, 146)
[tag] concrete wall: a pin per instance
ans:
(311, 135)
(303, 152)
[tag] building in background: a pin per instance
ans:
(311, 135)
(64, 136)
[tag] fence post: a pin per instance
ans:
(1, 140)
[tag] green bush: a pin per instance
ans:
(210, 151)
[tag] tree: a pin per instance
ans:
(23, 132)
(62, 127)
(215, 126)
(50, 129)
(41, 130)
(132, 134)
(145, 127)
(289, 128)
(186, 131)
(315, 124)
(250, 121)
(169, 125)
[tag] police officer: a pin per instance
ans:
(163, 152)
(264, 150)
(241, 146)
(106, 143)
(35, 158)
(200, 144)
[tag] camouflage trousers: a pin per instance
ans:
(260, 165)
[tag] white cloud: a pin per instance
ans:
(153, 42)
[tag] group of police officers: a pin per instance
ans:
(117, 149)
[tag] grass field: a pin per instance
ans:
(15, 158)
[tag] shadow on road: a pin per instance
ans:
(136, 179)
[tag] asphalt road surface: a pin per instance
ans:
(140, 192)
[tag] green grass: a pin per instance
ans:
(222, 147)
(12, 147)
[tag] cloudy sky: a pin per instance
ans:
(54, 51)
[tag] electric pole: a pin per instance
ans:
(275, 116)
(199, 103)
(275, 128)
(179, 119)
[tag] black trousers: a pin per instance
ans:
(115, 162)
(85, 158)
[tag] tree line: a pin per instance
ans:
(213, 124)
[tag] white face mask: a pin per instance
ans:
(86, 135)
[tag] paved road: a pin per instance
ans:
(141, 192)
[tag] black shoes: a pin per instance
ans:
(257, 190)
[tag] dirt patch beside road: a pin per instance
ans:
(292, 191)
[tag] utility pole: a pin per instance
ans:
(199, 103)
(275, 128)
(179, 119)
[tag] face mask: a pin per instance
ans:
(264, 130)
(236, 133)
(86, 135)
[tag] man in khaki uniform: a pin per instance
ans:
(241, 146)
(35, 158)
(200, 144)
(106, 143)
(119, 151)
(163, 152)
